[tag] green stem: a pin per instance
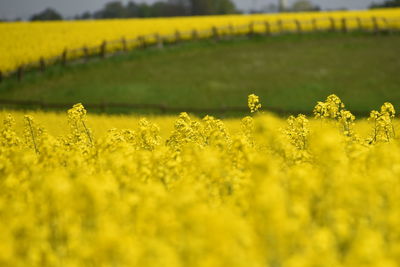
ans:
(33, 136)
(87, 132)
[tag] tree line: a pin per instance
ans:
(386, 4)
(170, 8)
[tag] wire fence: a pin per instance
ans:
(267, 28)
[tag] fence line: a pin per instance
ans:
(163, 109)
(105, 106)
(344, 24)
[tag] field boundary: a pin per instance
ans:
(161, 109)
(267, 28)
(104, 106)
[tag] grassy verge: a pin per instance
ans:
(289, 72)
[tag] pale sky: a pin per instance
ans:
(25, 8)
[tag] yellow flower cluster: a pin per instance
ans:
(334, 109)
(27, 42)
(254, 103)
(200, 192)
(330, 109)
(383, 123)
(298, 131)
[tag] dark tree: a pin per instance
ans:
(47, 14)
(85, 15)
(178, 8)
(304, 5)
(111, 10)
(201, 7)
(166, 8)
(390, 3)
(212, 7)
(162, 9)
(225, 7)
(144, 10)
(132, 10)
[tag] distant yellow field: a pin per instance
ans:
(27, 42)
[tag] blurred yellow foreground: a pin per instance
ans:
(182, 191)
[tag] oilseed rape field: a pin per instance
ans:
(26, 42)
(187, 191)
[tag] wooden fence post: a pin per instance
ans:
(159, 41)
(344, 25)
(124, 45)
(376, 24)
(215, 33)
(64, 57)
(298, 26)
(20, 73)
(388, 28)
(42, 64)
(231, 30)
(314, 25)
(195, 35)
(280, 26)
(267, 28)
(251, 29)
(144, 44)
(141, 41)
(178, 37)
(86, 53)
(103, 49)
(359, 23)
(333, 26)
